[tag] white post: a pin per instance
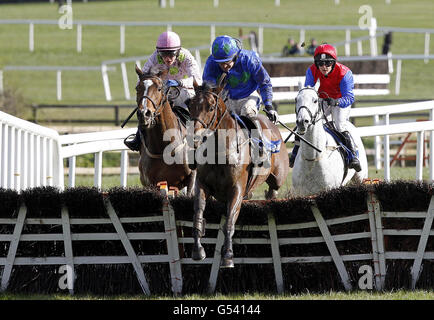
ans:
(398, 77)
(125, 81)
(386, 151)
(377, 143)
(163, 3)
(427, 36)
(390, 62)
(59, 85)
(79, 37)
(24, 160)
(431, 150)
(172, 3)
(106, 83)
(122, 40)
(31, 164)
(212, 33)
(198, 60)
(44, 155)
(216, 3)
(50, 162)
(277, 3)
(98, 170)
(31, 37)
(419, 155)
(4, 156)
(37, 160)
(260, 39)
(71, 172)
(359, 48)
(18, 155)
(124, 168)
(347, 43)
(169, 27)
(388, 1)
(373, 38)
(11, 160)
(336, 2)
(1, 82)
(302, 39)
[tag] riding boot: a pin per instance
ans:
(294, 152)
(349, 143)
(133, 144)
(260, 143)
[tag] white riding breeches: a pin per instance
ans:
(340, 116)
(248, 106)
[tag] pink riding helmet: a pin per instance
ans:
(168, 41)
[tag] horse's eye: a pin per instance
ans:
(295, 100)
(315, 101)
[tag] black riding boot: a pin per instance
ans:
(294, 152)
(260, 137)
(134, 144)
(349, 143)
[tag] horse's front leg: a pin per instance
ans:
(233, 210)
(198, 252)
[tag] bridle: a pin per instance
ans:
(214, 119)
(313, 117)
(160, 107)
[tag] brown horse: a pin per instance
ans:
(162, 136)
(231, 180)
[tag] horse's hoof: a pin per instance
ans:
(227, 263)
(198, 255)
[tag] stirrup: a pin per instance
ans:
(134, 144)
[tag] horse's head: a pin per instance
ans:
(150, 97)
(307, 109)
(206, 110)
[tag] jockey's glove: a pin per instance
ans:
(332, 102)
(271, 114)
(172, 83)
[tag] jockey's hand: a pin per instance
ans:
(172, 83)
(271, 114)
(332, 102)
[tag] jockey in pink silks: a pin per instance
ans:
(181, 67)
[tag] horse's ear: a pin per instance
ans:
(163, 73)
(139, 72)
(195, 84)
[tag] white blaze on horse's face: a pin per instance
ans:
(145, 111)
(306, 108)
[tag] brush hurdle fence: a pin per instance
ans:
(342, 252)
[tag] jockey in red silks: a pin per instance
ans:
(181, 69)
(336, 90)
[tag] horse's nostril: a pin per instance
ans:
(306, 121)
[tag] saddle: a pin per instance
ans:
(246, 123)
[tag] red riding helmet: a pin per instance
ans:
(327, 49)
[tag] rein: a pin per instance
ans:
(215, 115)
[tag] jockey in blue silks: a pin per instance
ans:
(245, 74)
(336, 90)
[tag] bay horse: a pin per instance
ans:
(316, 171)
(230, 180)
(157, 119)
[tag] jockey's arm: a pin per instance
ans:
(261, 77)
(346, 86)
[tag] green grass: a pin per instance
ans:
(54, 46)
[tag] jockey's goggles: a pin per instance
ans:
(170, 54)
(326, 63)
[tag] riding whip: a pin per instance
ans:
(301, 138)
(129, 117)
